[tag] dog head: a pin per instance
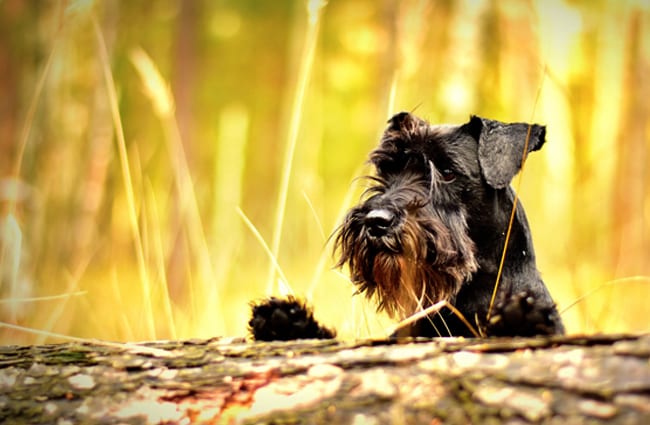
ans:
(408, 243)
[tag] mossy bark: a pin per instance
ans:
(563, 380)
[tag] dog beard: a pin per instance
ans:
(423, 261)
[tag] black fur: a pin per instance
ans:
(433, 224)
(283, 319)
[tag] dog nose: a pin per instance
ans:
(379, 221)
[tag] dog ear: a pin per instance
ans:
(501, 147)
(404, 121)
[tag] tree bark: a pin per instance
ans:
(563, 380)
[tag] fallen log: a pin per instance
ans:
(552, 380)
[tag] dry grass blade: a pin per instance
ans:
(314, 8)
(43, 298)
(630, 279)
(126, 175)
(31, 111)
(11, 240)
(435, 308)
(510, 222)
(155, 86)
(135, 348)
(325, 254)
(159, 258)
(514, 202)
(274, 261)
(317, 220)
(161, 97)
(59, 309)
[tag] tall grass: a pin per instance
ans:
(122, 227)
(128, 183)
(314, 9)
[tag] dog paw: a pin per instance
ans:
(522, 315)
(284, 319)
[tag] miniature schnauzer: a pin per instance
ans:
(432, 227)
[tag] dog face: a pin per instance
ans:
(412, 240)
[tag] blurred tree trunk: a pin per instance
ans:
(632, 182)
(94, 167)
(9, 103)
(13, 67)
(389, 66)
(580, 89)
(184, 69)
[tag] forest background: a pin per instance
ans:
(163, 163)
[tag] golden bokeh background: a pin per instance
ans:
(163, 163)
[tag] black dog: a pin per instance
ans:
(432, 227)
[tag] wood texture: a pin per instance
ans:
(567, 380)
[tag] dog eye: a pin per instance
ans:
(447, 175)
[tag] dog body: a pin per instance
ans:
(433, 224)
